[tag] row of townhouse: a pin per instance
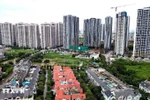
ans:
(66, 86)
(112, 88)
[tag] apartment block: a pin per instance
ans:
(108, 32)
(52, 35)
(22, 34)
(70, 31)
(112, 88)
(142, 37)
(92, 32)
(103, 32)
(59, 37)
(34, 36)
(122, 31)
(66, 86)
(7, 34)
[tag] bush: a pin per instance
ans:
(11, 63)
(46, 61)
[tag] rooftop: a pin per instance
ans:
(111, 86)
(66, 86)
(24, 88)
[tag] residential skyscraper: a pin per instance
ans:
(122, 30)
(34, 36)
(103, 32)
(59, 35)
(92, 32)
(7, 34)
(108, 32)
(45, 34)
(142, 37)
(22, 34)
(70, 31)
(52, 35)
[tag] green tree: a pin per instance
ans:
(21, 54)
(46, 61)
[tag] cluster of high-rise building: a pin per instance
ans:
(31, 35)
(95, 33)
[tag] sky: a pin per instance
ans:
(40, 11)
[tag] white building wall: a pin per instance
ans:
(122, 30)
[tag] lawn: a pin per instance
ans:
(142, 69)
(15, 52)
(66, 60)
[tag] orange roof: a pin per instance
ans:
(81, 96)
(61, 97)
(65, 81)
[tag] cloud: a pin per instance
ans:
(39, 11)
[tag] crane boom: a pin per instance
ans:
(121, 6)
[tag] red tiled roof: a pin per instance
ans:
(81, 96)
(65, 81)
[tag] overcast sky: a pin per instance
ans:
(40, 11)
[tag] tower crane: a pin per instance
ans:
(116, 7)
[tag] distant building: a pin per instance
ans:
(122, 31)
(52, 35)
(103, 32)
(34, 36)
(142, 39)
(70, 31)
(131, 36)
(7, 34)
(108, 32)
(92, 32)
(145, 86)
(22, 34)
(1, 51)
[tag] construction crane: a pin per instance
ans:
(121, 6)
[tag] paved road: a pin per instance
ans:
(45, 87)
(15, 68)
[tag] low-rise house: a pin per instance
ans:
(112, 88)
(83, 56)
(145, 86)
(21, 87)
(66, 86)
(95, 56)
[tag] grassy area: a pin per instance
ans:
(66, 60)
(12, 60)
(15, 52)
(142, 69)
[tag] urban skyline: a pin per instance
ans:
(88, 55)
(23, 11)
